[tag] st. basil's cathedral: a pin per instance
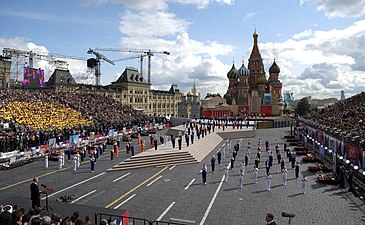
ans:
(249, 90)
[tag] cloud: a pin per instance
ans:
(249, 16)
(324, 73)
(132, 4)
(151, 24)
(189, 58)
(303, 34)
(341, 8)
(200, 4)
(156, 5)
(325, 60)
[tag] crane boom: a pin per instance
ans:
(99, 56)
(148, 52)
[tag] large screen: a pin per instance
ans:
(33, 78)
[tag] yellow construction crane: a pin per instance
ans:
(147, 52)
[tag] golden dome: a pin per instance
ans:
(189, 94)
(255, 34)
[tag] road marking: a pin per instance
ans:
(43, 175)
(121, 177)
(136, 187)
(85, 195)
(172, 167)
(191, 182)
(166, 210)
(77, 184)
(212, 201)
(132, 196)
(154, 181)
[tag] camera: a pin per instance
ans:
(66, 198)
(7, 208)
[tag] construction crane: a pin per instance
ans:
(15, 54)
(134, 57)
(148, 52)
(95, 63)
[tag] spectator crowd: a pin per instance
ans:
(11, 215)
(34, 116)
(346, 116)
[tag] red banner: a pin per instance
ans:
(243, 109)
(266, 110)
(353, 153)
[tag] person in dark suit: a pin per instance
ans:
(35, 194)
(270, 219)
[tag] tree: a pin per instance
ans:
(228, 99)
(303, 107)
(209, 95)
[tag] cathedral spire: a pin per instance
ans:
(194, 87)
(255, 50)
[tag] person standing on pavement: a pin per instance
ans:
(111, 154)
(63, 158)
(267, 167)
(46, 160)
(270, 219)
(173, 139)
(179, 141)
(268, 181)
(293, 160)
(132, 149)
(240, 174)
(284, 176)
(92, 163)
(35, 195)
(155, 143)
(187, 138)
(243, 166)
(225, 169)
(255, 174)
(296, 170)
(212, 163)
(232, 163)
(78, 159)
(204, 174)
(246, 159)
(192, 137)
(219, 157)
(60, 161)
(304, 184)
(74, 159)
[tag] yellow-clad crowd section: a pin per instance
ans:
(43, 116)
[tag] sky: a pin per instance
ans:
(319, 45)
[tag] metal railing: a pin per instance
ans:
(127, 220)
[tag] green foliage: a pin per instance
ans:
(228, 99)
(209, 95)
(303, 107)
(287, 111)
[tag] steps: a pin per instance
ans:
(166, 155)
(158, 159)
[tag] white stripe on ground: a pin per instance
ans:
(166, 210)
(213, 199)
(172, 167)
(121, 177)
(191, 182)
(85, 195)
(153, 181)
(77, 184)
(132, 196)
